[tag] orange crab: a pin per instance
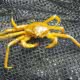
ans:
(37, 30)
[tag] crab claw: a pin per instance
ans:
(54, 17)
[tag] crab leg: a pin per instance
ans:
(52, 18)
(7, 31)
(28, 45)
(11, 35)
(20, 27)
(13, 23)
(65, 36)
(57, 28)
(54, 42)
(8, 49)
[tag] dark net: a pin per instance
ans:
(59, 63)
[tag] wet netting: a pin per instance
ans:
(59, 63)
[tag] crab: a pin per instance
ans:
(23, 33)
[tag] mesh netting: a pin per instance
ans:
(59, 63)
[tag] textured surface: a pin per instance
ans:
(59, 63)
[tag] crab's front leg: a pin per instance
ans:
(28, 45)
(57, 28)
(65, 36)
(54, 17)
(7, 51)
(54, 41)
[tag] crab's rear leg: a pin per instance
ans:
(7, 51)
(28, 45)
(17, 27)
(54, 17)
(7, 31)
(12, 35)
(13, 23)
(54, 41)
